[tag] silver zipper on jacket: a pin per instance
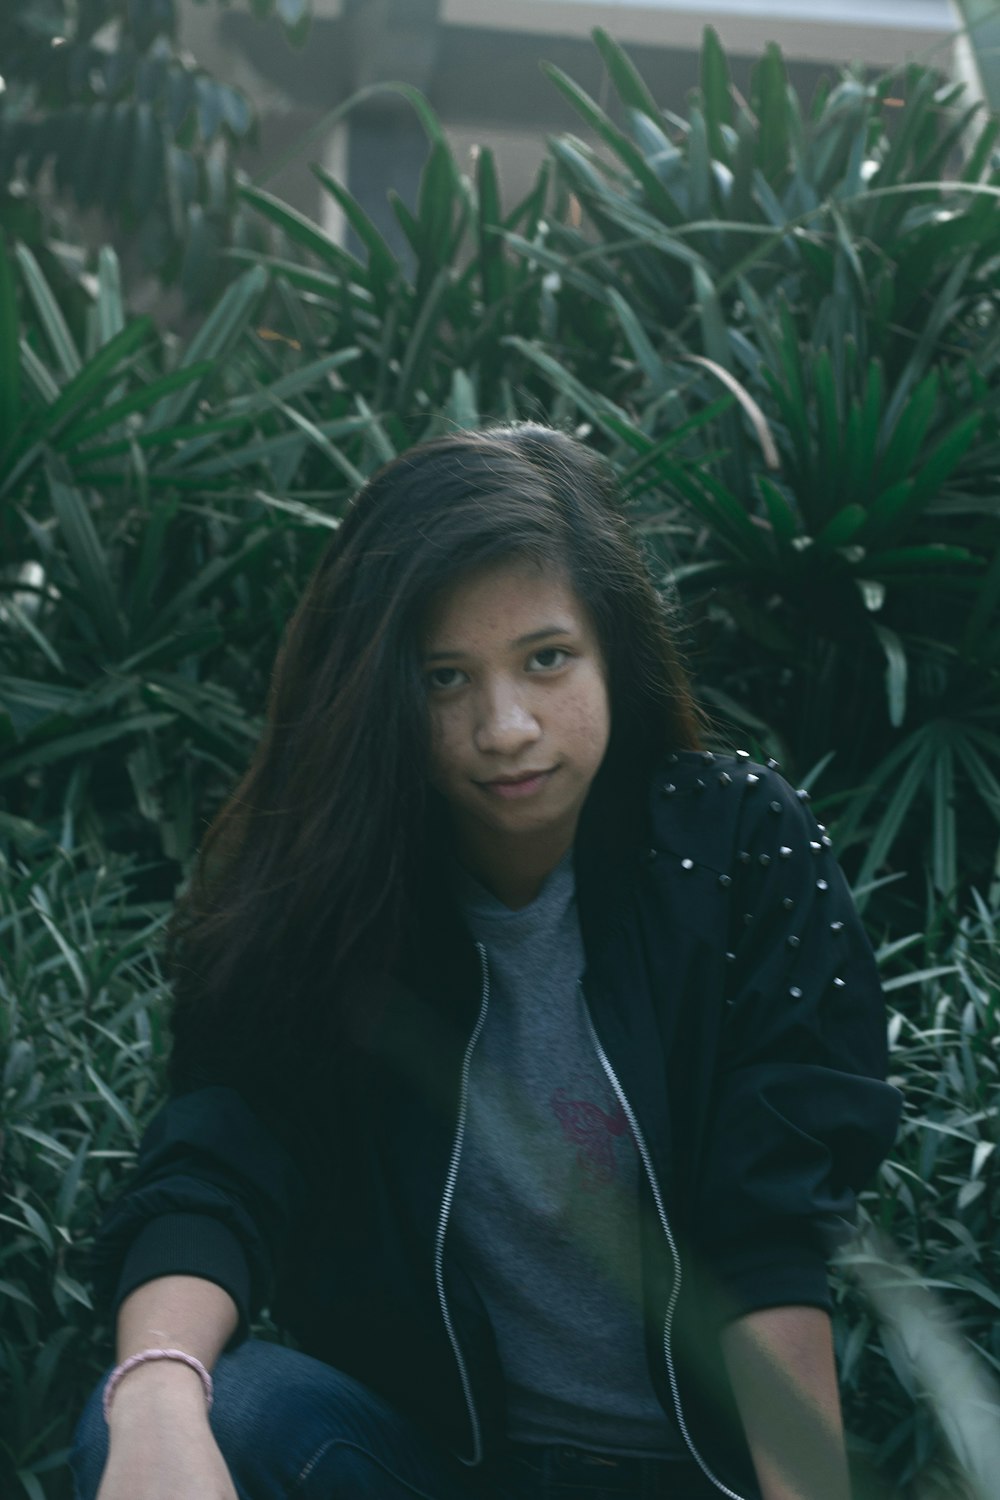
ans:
(668, 1320)
(446, 1202)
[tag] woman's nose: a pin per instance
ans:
(506, 723)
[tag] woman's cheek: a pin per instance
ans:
(444, 738)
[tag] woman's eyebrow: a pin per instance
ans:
(540, 635)
(515, 645)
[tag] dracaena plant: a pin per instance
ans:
(149, 557)
(833, 268)
(433, 323)
(164, 502)
(100, 93)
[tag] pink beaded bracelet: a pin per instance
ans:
(120, 1371)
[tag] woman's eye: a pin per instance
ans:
(444, 677)
(549, 658)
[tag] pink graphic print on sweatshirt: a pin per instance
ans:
(593, 1131)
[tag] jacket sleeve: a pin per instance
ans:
(214, 1195)
(801, 1114)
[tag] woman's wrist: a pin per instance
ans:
(160, 1384)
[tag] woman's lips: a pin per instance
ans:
(521, 786)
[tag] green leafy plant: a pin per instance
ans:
(162, 503)
(430, 324)
(837, 544)
(140, 618)
(129, 124)
(780, 322)
(81, 1037)
(935, 1206)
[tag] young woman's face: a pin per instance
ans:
(518, 707)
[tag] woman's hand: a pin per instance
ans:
(161, 1444)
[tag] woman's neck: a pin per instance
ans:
(514, 870)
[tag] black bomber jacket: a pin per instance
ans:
(736, 1009)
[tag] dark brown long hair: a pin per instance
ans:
(307, 873)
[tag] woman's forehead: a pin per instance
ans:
(511, 595)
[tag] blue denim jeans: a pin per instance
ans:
(293, 1428)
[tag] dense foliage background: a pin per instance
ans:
(780, 319)
(104, 106)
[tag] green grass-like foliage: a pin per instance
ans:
(81, 1043)
(83, 1036)
(920, 1289)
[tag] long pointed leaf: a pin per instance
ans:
(110, 306)
(88, 558)
(215, 337)
(192, 434)
(659, 200)
(238, 459)
(92, 381)
(50, 313)
(437, 200)
(316, 435)
(298, 508)
(39, 376)
(420, 341)
(716, 92)
(139, 400)
(983, 609)
(383, 266)
(629, 83)
(70, 746)
(302, 379)
(910, 432)
(920, 748)
(784, 522)
(490, 226)
(943, 841)
(13, 611)
(972, 749)
(336, 287)
(675, 437)
(211, 577)
(842, 527)
(897, 506)
(648, 359)
(10, 358)
(895, 674)
(600, 409)
(756, 415)
(940, 317)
